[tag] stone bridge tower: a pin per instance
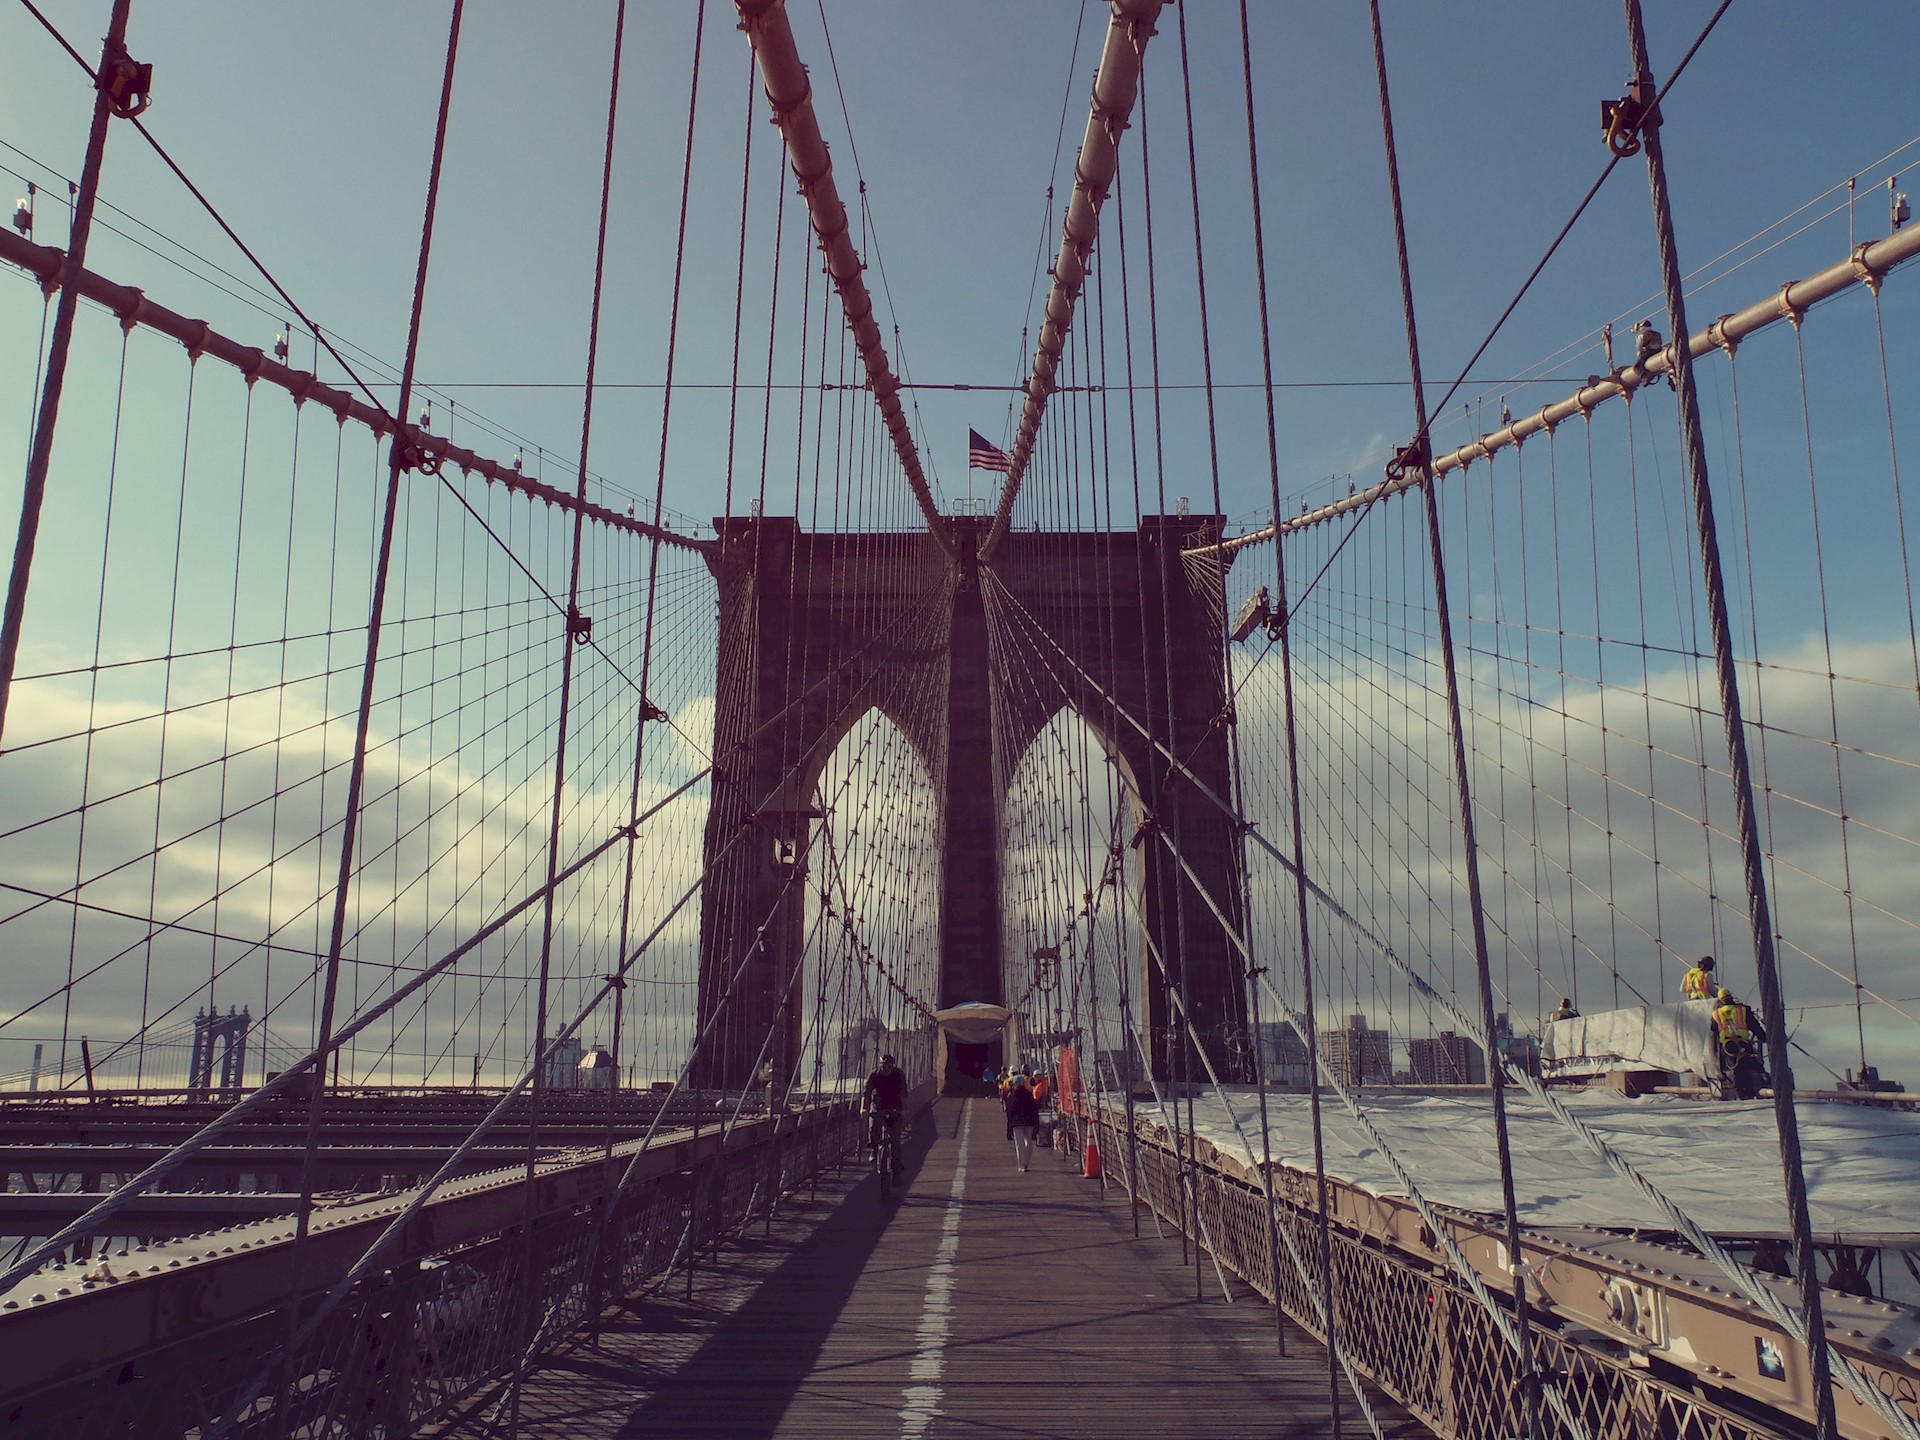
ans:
(817, 629)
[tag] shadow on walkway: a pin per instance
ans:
(743, 1379)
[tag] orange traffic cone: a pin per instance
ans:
(1090, 1168)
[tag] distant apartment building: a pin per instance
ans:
(1283, 1054)
(1446, 1059)
(563, 1066)
(1358, 1054)
(1522, 1052)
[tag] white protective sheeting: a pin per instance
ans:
(1720, 1162)
(973, 1024)
(1657, 1037)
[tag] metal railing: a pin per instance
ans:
(1413, 1329)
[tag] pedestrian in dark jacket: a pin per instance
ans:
(1023, 1119)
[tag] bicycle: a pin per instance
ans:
(886, 1151)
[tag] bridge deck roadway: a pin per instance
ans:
(985, 1302)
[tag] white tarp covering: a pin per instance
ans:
(973, 1024)
(1657, 1037)
(1720, 1162)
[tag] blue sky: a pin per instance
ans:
(310, 128)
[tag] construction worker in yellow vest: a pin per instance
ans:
(1699, 982)
(1733, 1027)
(1731, 1022)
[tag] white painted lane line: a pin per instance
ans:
(936, 1316)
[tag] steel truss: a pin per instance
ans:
(118, 1348)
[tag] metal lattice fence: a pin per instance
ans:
(1413, 1329)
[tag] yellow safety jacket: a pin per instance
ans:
(1730, 1022)
(1697, 984)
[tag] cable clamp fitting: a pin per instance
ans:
(1624, 119)
(1412, 457)
(651, 711)
(408, 454)
(1146, 827)
(127, 84)
(579, 626)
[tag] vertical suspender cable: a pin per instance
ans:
(1284, 615)
(1236, 858)
(1121, 962)
(1176, 977)
(1443, 621)
(1760, 913)
(573, 624)
(34, 492)
(401, 456)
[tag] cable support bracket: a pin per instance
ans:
(1868, 276)
(651, 711)
(1146, 828)
(131, 312)
(579, 626)
(1793, 314)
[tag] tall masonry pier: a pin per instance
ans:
(817, 630)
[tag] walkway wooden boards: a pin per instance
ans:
(986, 1302)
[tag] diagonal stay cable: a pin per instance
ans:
(395, 423)
(112, 1204)
(1420, 440)
(1502, 1321)
(454, 1162)
(1510, 1326)
(1744, 1280)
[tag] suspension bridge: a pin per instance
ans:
(456, 875)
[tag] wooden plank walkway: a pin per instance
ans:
(986, 1301)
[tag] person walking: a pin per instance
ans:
(1023, 1119)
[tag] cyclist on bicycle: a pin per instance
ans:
(883, 1098)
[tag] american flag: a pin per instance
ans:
(983, 456)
